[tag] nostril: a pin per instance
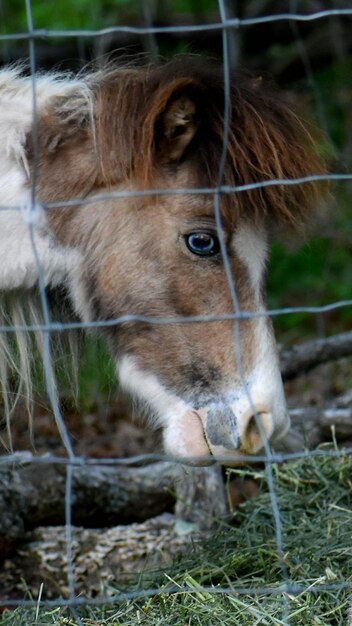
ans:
(258, 429)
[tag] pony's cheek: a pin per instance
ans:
(184, 437)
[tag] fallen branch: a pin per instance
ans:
(300, 359)
(339, 419)
(310, 426)
(33, 495)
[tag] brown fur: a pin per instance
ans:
(267, 140)
(163, 127)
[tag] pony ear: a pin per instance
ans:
(176, 128)
(172, 119)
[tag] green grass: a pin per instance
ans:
(315, 500)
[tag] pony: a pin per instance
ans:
(81, 216)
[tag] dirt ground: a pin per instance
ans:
(109, 430)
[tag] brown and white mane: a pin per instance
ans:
(135, 129)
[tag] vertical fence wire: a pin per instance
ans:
(236, 308)
(47, 353)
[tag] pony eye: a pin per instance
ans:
(202, 244)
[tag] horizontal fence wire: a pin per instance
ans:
(284, 587)
(226, 24)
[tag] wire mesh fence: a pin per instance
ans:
(284, 587)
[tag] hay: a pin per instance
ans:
(237, 576)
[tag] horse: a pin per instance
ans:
(143, 195)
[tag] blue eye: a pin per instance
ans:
(202, 243)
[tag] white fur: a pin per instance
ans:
(16, 121)
(251, 247)
(182, 430)
(147, 388)
(26, 247)
(264, 390)
(18, 267)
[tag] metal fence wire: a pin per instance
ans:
(227, 25)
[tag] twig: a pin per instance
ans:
(302, 358)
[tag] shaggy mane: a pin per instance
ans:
(116, 136)
(267, 140)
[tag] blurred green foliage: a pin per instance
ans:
(66, 14)
(320, 271)
(88, 14)
(97, 375)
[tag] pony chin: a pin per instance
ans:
(183, 429)
(184, 437)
